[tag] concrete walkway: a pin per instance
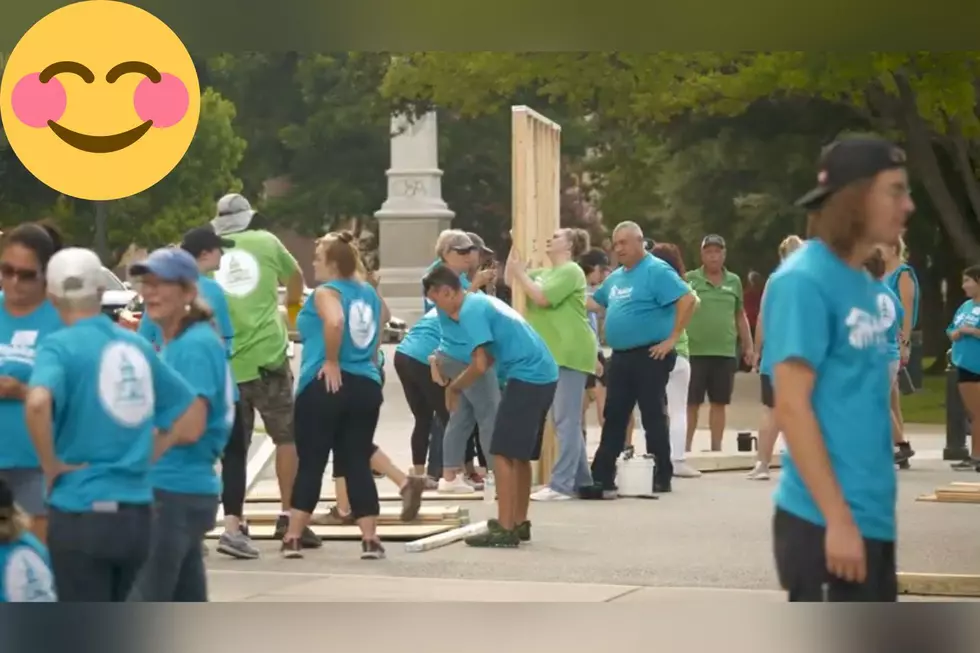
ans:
(253, 586)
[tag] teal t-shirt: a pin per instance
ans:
(25, 572)
(518, 351)
(423, 338)
(198, 355)
(19, 339)
(640, 303)
(110, 392)
(966, 350)
(362, 331)
(836, 319)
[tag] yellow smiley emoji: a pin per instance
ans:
(100, 100)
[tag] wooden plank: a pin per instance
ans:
(256, 513)
(387, 532)
(535, 210)
(268, 492)
(962, 484)
(959, 489)
(928, 498)
(957, 497)
(962, 585)
(727, 462)
(447, 538)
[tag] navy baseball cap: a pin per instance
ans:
(168, 264)
(848, 160)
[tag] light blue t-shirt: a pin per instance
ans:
(110, 390)
(836, 319)
(199, 356)
(214, 296)
(966, 350)
(464, 279)
(25, 572)
(592, 315)
(423, 338)
(640, 303)
(362, 330)
(895, 330)
(19, 339)
(892, 280)
(518, 351)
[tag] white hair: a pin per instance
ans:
(630, 226)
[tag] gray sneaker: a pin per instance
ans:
(237, 545)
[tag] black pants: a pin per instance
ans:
(96, 556)
(635, 378)
(426, 399)
(233, 465)
(802, 565)
(343, 422)
(474, 449)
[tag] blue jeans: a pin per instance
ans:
(477, 408)
(571, 470)
(174, 570)
(96, 556)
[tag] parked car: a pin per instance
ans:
(119, 300)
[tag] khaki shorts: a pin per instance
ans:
(271, 395)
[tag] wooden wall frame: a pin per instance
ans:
(536, 197)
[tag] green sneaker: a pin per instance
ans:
(497, 537)
(524, 531)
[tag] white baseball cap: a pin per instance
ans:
(234, 214)
(75, 273)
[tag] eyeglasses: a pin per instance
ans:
(10, 272)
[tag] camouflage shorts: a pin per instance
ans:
(271, 395)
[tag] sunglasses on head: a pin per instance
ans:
(10, 272)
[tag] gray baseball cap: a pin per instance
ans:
(713, 240)
(234, 214)
(479, 243)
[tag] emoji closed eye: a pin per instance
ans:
(160, 99)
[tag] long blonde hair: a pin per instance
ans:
(789, 245)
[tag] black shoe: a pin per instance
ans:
(903, 452)
(291, 550)
(308, 540)
(597, 492)
(372, 550)
(662, 487)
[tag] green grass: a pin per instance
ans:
(928, 405)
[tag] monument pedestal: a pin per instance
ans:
(410, 220)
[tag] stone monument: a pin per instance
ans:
(413, 215)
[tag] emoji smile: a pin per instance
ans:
(100, 144)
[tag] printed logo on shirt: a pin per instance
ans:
(868, 330)
(23, 338)
(238, 273)
(361, 324)
(126, 384)
(26, 579)
(619, 294)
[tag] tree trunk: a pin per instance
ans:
(923, 158)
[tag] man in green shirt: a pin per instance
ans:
(714, 333)
(250, 274)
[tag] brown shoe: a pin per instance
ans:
(336, 517)
(412, 497)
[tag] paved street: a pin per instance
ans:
(708, 540)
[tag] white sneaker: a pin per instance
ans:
(547, 494)
(683, 470)
(456, 486)
(759, 473)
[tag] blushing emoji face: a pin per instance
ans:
(100, 100)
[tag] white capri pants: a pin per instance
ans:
(677, 384)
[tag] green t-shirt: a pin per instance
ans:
(250, 274)
(683, 346)
(563, 324)
(713, 330)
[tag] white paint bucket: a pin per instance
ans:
(634, 477)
